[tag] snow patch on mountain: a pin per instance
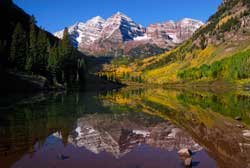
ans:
(140, 38)
(100, 34)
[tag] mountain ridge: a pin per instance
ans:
(98, 36)
(217, 53)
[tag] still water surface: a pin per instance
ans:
(129, 128)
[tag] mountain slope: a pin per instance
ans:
(32, 59)
(119, 34)
(177, 32)
(10, 15)
(85, 33)
(217, 51)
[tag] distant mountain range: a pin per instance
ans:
(118, 34)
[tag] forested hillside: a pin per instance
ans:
(220, 50)
(31, 53)
(204, 56)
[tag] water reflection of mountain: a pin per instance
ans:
(118, 122)
(100, 127)
(27, 121)
(119, 135)
(207, 116)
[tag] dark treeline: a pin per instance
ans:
(109, 76)
(31, 119)
(26, 48)
(134, 78)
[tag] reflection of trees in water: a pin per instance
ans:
(124, 93)
(28, 123)
(32, 121)
(229, 104)
(204, 116)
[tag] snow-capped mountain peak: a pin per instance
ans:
(98, 35)
(191, 20)
(121, 16)
(122, 27)
(96, 20)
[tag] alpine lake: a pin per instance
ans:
(126, 128)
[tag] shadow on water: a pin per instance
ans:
(127, 128)
(195, 164)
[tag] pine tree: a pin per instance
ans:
(53, 62)
(81, 69)
(203, 42)
(42, 52)
(65, 53)
(66, 43)
(53, 56)
(32, 56)
(18, 51)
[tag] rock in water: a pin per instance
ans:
(238, 118)
(246, 133)
(240, 126)
(185, 152)
(188, 162)
(62, 157)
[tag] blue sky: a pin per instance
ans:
(54, 15)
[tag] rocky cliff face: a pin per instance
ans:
(171, 33)
(85, 33)
(122, 26)
(109, 37)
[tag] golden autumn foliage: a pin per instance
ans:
(198, 106)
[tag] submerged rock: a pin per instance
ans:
(240, 126)
(238, 118)
(246, 133)
(62, 157)
(247, 88)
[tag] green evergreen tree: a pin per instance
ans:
(65, 45)
(18, 49)
(203, 44)
(42, 52)
(32, 56)
(65, 54)
(53, 62)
